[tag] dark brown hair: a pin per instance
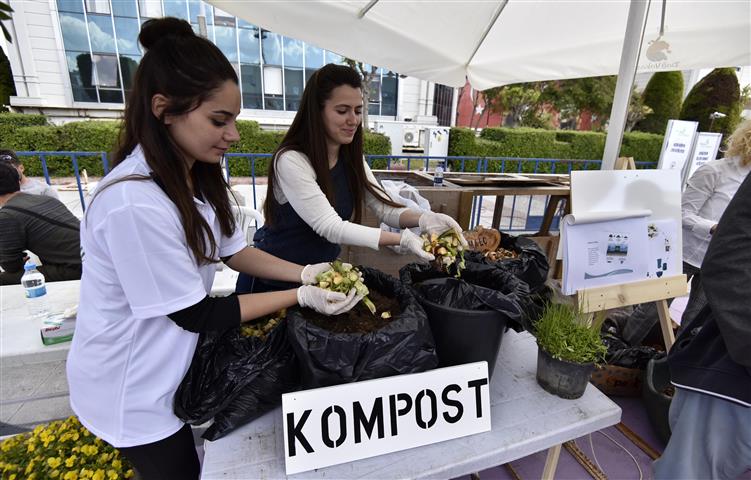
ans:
(187, 69)
(308, 135)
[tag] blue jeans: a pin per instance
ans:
(711, 439)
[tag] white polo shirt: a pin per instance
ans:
(127, 358)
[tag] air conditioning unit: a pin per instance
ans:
(411, 136)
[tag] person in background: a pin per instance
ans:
(37, 223)
(28, 185)
(319, 183)
(707, 194)
(152, 235)
(710, 362)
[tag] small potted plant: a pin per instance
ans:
(569, 348)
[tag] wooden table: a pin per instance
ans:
(525, 420)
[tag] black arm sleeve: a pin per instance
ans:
(212, 314)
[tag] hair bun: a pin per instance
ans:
(158, 28)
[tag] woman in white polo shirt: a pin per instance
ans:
(319, 184)
(150, 240)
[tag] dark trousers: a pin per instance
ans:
(172, 458)
(645, 315)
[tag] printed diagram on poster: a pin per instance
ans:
(605, 248)
(661, 236)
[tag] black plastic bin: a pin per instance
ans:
(463, 336)
(656, 381)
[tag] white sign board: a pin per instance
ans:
(705, 149)
(333, 425)
(676, 147)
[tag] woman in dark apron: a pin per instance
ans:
(319, 183)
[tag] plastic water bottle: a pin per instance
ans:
(36, 291)
(438, 177)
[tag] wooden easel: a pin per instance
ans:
(599, 299)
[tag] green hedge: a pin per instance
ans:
(538, 143)
(32, 133)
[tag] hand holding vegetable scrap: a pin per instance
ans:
(446, 248)
(310, 272)
(326, 301)
(431, 222)
(414, 244)
(343, 277)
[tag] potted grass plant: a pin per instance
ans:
(569, 348)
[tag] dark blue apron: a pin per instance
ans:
(291, 239)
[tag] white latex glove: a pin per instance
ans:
(326, 301)
(310, 272)
(413, 244)
(431, 222)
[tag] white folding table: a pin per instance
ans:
(525, 420)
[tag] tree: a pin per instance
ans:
(575, 96)
(664, 95)
(7, 87)
(637, 110)
(717, 92)
(368, 74)
(5, 12)
(515, 100)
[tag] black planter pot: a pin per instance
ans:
(560, 377)
(465, 336)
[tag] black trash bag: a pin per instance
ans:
(481, 287)
(531, 265)
(620, 353)
(405, 345)
(235, 379)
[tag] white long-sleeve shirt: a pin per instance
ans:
(296, 184)
(707, 194)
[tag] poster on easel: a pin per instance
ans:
(624, 227)
(705, 148)
(676, 147)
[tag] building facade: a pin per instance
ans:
(74, 59)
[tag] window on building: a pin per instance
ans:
(293, 87)
(251, 86)
(127, 30)
(176, 8)
(249, 52)
(273, 88)
(98, 6)
(150, 8)
(79, 69)
(389, 85)
(313, 60)
(74, 32)
(124, 8)
(101, 35)
(106, 71)
(72, 6)
(226, 40)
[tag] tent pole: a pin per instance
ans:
(637, 20)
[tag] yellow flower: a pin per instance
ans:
(98, 475)
(54, 462)
(30, 447)
(55, 473)
(70, 476)
(112, 475)
(70, 461)
(86, 473)
(12, 477)
(75, 436)
(117, 464)
(129, 473)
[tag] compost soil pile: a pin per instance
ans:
(359, 319)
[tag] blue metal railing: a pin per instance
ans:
(389, 162)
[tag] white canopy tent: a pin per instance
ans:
(494, 43)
